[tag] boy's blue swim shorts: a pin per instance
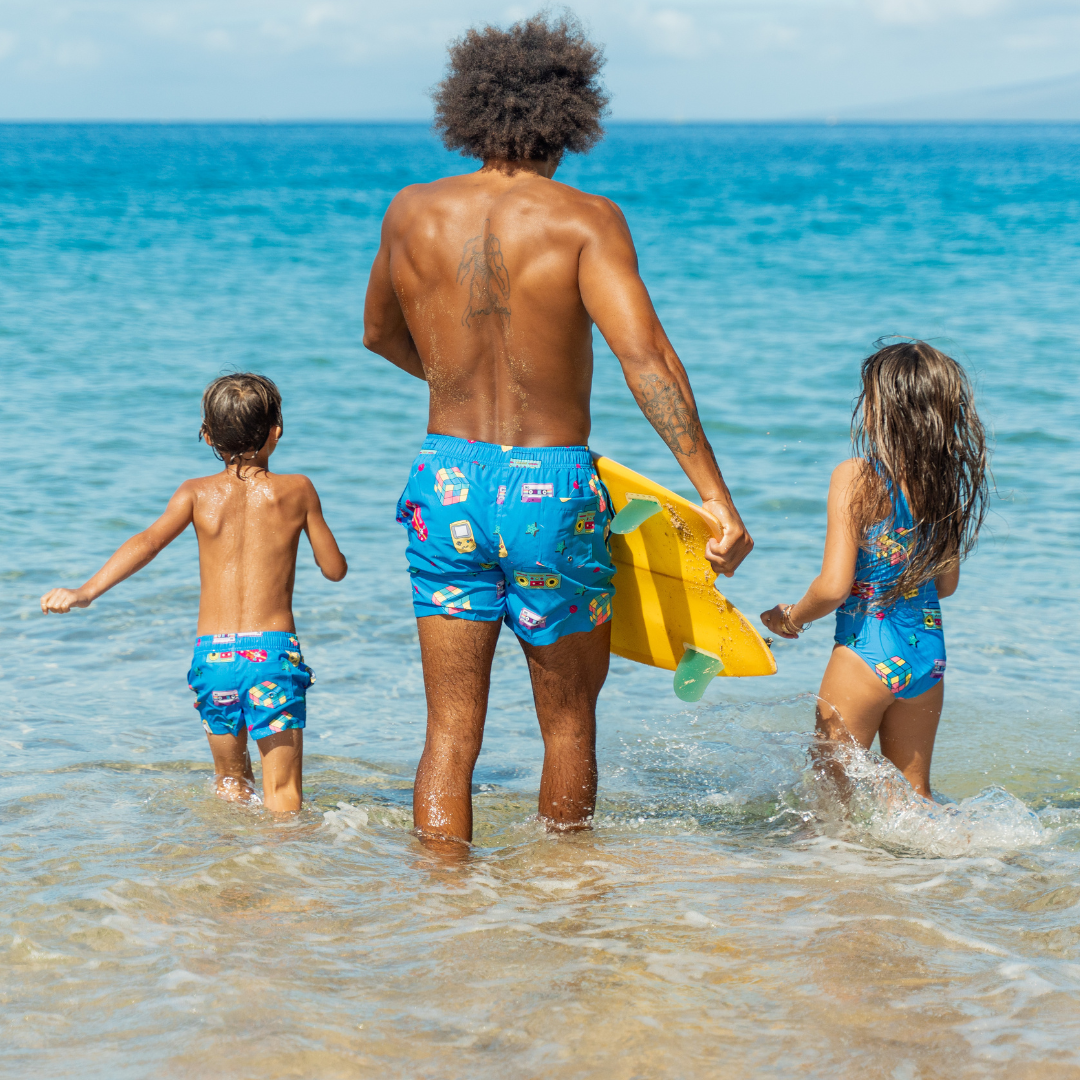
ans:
(257, 681)
(509, 532)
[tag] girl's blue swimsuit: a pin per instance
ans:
(902, 642)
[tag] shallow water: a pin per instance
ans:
(722, 919)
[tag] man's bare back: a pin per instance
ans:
(486, 270)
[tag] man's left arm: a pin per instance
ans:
(619, 304)
(385, 329)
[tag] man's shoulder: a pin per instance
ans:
(584, 203)
(417, 195)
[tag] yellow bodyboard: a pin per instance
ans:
(665, 598)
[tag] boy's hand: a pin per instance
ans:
(63, 600)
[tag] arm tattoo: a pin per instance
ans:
(483, 269)
(675, 418)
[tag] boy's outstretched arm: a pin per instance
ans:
(130, 556)
(328, 557)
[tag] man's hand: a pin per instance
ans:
(63, 600)
(726, 554)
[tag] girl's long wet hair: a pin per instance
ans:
(239, 412)
(916, 429)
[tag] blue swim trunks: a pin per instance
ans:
(509, 532)
(255, 681)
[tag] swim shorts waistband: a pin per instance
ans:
(266, 639)
(525, 457)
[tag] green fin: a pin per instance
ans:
(638, 510)
(696, 670)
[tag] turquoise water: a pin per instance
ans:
(722, 919)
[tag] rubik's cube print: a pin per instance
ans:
(279, 722)
(888, 547)
(448, 598)
(600, 609)
(452, 485)
(267, 695)
(895, 673)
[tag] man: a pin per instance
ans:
(487, 286)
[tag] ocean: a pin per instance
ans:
(722, 919)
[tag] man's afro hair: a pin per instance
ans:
(526, 93)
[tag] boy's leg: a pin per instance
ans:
(233, 778)
(283, 770)
(908, 732)
(457, 655)
(567, 677)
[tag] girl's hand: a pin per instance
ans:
(63, 600)
(777, 621)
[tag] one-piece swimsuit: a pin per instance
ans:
(902, 642)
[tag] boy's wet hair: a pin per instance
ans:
(526, 93)
(239, 412)
(916, 429)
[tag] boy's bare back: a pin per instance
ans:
(248, 531)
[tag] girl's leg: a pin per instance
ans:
(282, 770)
(907, 735)
(852, 700)
(233, 778)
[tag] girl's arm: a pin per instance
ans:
(948, 582)
(833, 585)
(130, 556)
(328, 557)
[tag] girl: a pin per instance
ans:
(901, 517)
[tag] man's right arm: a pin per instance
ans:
(618, 302)
(385, 329)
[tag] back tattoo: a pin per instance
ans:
(483, 269)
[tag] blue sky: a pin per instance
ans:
(685, 59)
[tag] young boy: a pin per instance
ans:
(247, 674)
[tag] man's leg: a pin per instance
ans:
(567, 677)
(457, 656)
